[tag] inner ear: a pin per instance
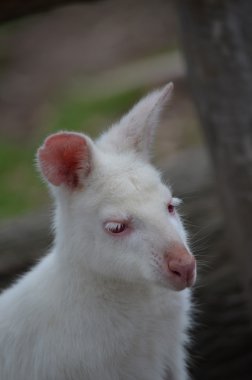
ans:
(65, 158)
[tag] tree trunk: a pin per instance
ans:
(217, 38)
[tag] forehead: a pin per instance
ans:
(131, 182)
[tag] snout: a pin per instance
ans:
(181, 267)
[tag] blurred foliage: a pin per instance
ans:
(90, 115)
(21, 189)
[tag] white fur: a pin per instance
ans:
(97, 306)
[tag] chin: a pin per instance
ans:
(165, 281)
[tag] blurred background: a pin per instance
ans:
(67, 65)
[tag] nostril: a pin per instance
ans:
(181, 268)
(175, 268)
(176, 273)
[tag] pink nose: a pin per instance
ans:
(181, 266)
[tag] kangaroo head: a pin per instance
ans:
(114, 216)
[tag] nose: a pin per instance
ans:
(181, 267)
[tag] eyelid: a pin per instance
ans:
(121, 219)
(114, 221)
(109, 214)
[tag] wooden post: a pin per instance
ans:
(217, 40)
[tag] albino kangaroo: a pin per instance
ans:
(111, 300)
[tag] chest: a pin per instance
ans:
(118, 339)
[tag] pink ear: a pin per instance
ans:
(65, 159)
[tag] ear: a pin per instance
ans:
(65, 158)
(135, 131)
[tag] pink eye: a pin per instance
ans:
(115, 227)
(171, 208)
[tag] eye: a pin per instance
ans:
(171, 208)
(115, 227)
(172, 205)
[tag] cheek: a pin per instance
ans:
(138, 243)
(179, 227)
(131, 247)
(176, 224)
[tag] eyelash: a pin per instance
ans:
(115, 227)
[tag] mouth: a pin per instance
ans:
(174, 282)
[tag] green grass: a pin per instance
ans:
(21, 189)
